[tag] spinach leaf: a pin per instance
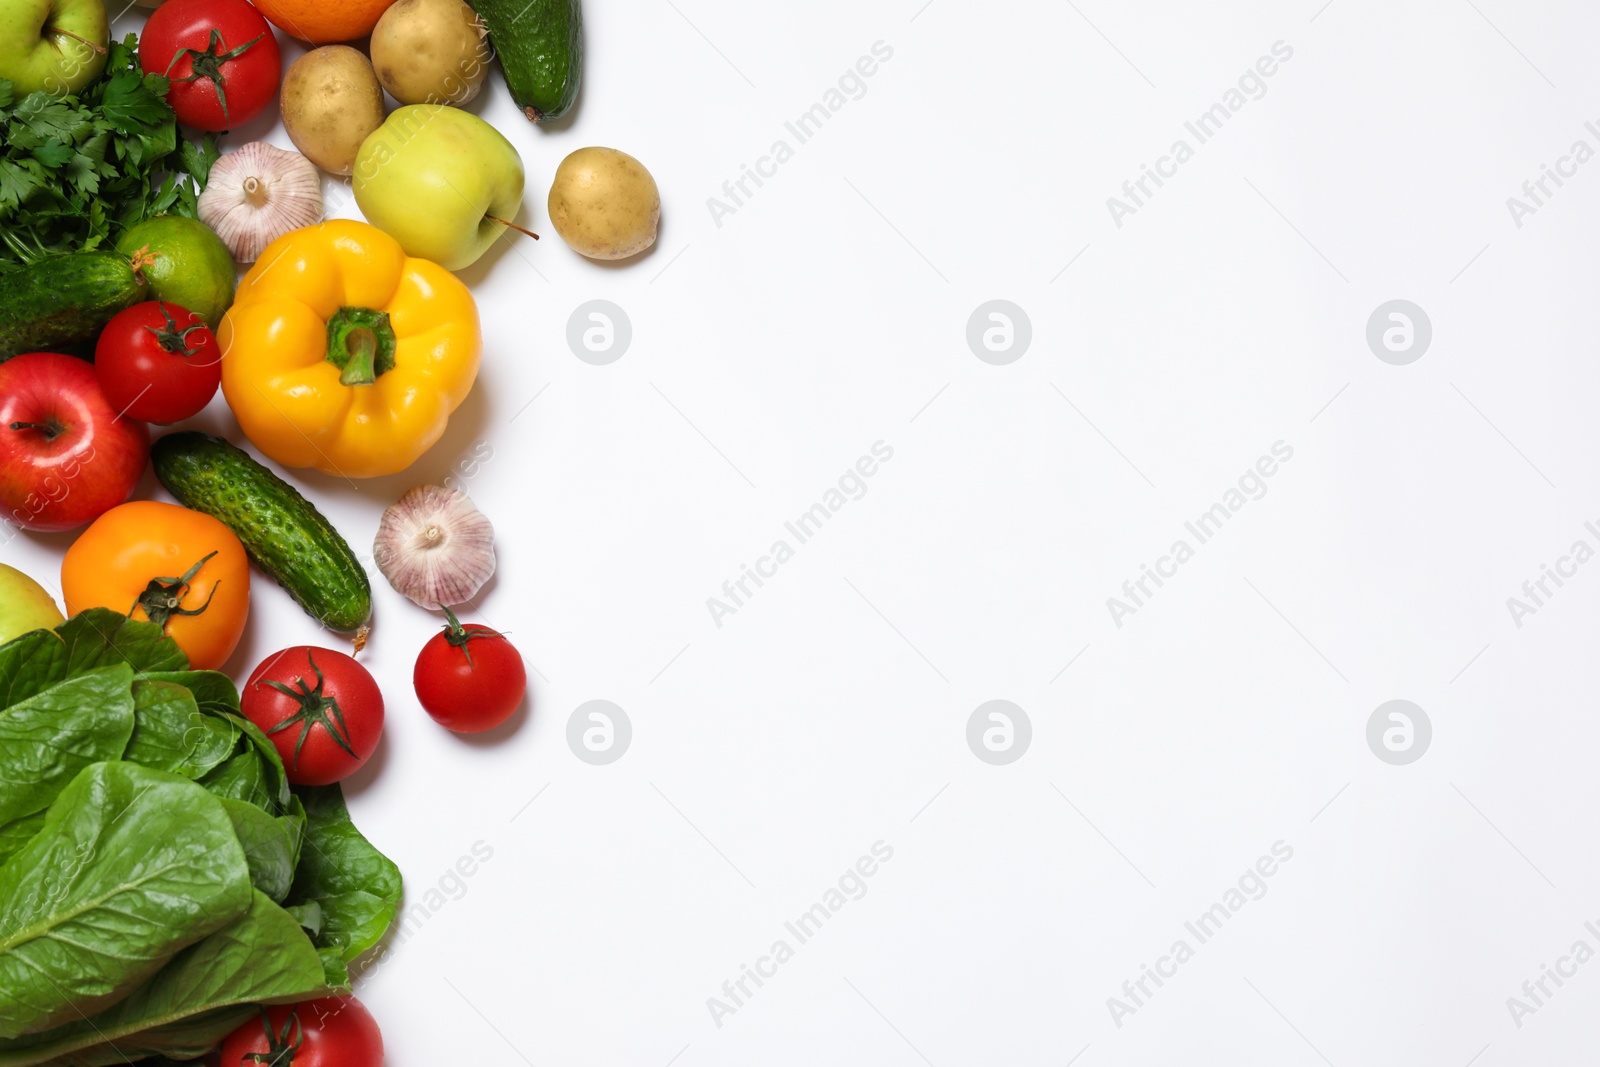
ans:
(241, 777)
(357, 887)
(271, 845)
(198, 998)
(213, 691)
(30, 664)
(14, 835)
(101, 636)
(131, 866)
(170, 734)
(47, 738)
(138, 914)
(254, 773)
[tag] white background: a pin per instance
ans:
(828, 313)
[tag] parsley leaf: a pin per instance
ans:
(77, 169)
(130, 105)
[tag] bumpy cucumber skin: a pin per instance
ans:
(540, 46)
(60, 299)
(281, 530)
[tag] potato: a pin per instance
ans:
(605, 204)
(431, 52)
(331, 102)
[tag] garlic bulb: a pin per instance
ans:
(435, 547)
(258, 194)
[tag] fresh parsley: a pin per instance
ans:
(76, 169)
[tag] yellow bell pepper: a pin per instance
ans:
(344, 354)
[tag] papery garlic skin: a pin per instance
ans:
(257, 194)
(435, 548)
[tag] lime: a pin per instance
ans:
(192, 267)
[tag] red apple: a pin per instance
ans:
(66, 456)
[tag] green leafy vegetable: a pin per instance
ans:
(101, 636)
(158, 878)
(170, 733)
(74, 168)
(14, 835)
(271, 845)
(254, 773)
(262, 957)
(131, 866)
(356, 886)
(48, 738)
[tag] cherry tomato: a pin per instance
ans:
(331, 1032)
(469, 678)
(180, 569)
(321, 709)
(221, 56)
(158, 362)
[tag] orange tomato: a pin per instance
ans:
(168, 565)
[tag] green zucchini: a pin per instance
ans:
(281, 530)
(540, 47)
(60, 299)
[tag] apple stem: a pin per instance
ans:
(513, 225)
(51, 430)
(97, 48)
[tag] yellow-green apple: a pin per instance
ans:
(439, 180)
(24, 605)
(55, 45)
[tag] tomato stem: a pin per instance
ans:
(208, 64)
(173, 339)
(315, 709)
(163, 597)
(458, 635)
(281, 1047)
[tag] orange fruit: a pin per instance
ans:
(324, 21)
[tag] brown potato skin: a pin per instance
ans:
(605, 204)
(431, 52)
(331, 101)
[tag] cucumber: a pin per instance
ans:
(540, 47)
(59, 299)
(281, 530)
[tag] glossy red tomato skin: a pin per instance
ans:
(249, 80)
(66, 455)
(333, 1032)
(469, 696)
(147, 381)
(320, 760)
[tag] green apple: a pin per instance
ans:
(55, 45)
(24, 605)
(439, 180)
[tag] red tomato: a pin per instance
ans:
(469, 678)
(321, 709)
(221, 56)
(331, 1032)
(158, 362)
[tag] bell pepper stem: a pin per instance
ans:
(361, 344)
